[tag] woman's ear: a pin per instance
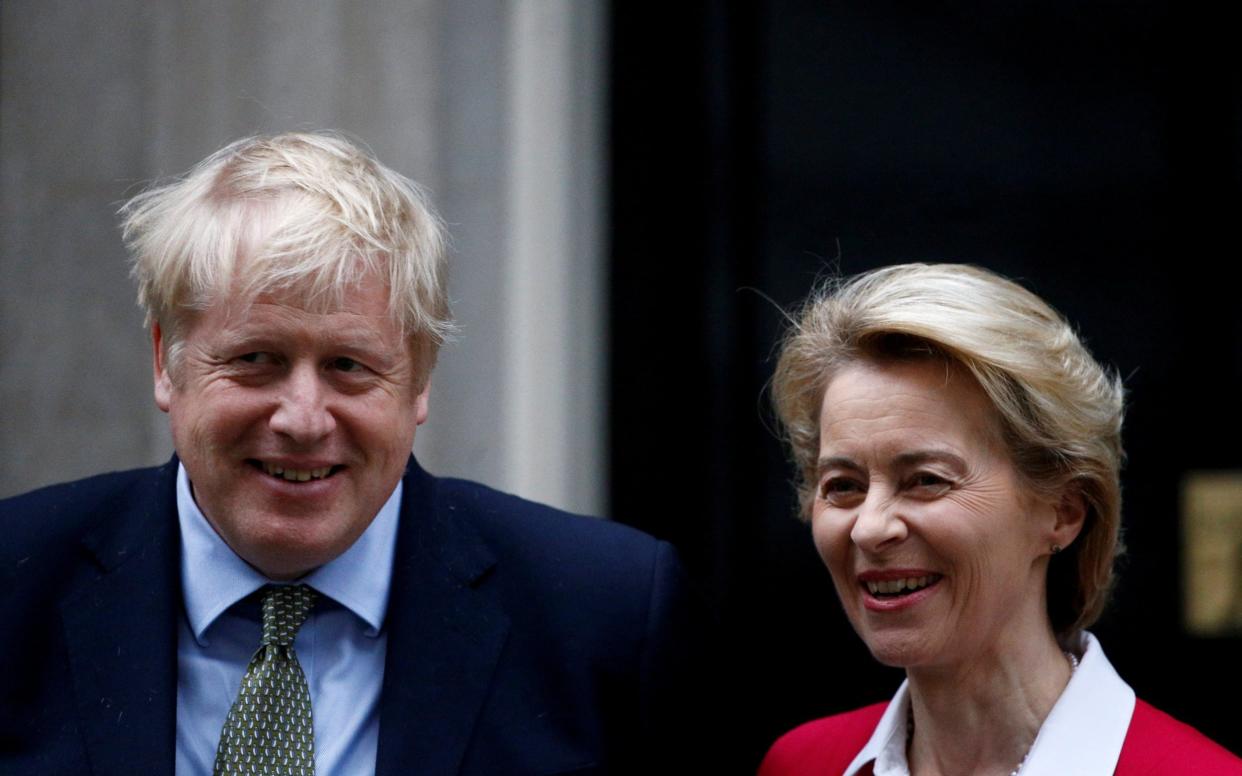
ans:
(1071, 515)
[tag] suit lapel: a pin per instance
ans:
(446, 630)
(120, 631)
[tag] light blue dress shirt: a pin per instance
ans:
(341, 646)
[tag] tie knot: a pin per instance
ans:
(284, 610)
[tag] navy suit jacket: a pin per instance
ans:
(520, 639)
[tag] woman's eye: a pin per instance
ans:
(926, 481)
(837, 489)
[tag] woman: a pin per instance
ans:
(958, 450)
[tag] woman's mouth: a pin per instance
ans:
(901, 586)
(894, 590)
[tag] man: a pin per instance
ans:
(292, 590)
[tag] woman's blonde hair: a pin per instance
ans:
(1060, 412)
(305, 213)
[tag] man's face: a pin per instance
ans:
(294, 426)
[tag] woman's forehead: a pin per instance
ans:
(921, 402)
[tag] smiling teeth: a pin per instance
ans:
(297, 475)
(893, 586)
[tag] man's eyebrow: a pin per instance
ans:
(349, 334)
(234, 338)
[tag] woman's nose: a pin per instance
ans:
(878, 523)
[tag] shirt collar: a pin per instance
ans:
(1083, 733)
(887, 746)
(1086, 728)
(213, 577)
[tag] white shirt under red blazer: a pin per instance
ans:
(1097, 727)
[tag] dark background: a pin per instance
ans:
(1090, 150)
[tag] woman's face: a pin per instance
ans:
(937, 550)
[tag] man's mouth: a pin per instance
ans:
(291, 474)
(895, 588)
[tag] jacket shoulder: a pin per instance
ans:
(513, 522)
(59, 541)
(822, 746)
(1157, 744)
(594, 583)
(44, 524)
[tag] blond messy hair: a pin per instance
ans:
(1060, 412)
(308, 213)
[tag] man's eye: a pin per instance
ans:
(346, 365)
(256, 358)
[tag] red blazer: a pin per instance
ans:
(1155, 745)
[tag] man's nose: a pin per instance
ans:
(879, 523)
(302, 412)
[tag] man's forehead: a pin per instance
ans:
(355, 312)
(355, 316)
(259, 316)
(367, 297)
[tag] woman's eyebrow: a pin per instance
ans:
(837, 462)
(916, 457)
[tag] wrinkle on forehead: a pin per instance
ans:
(368, 291)
(263, 322)
(926, 398)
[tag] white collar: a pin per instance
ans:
(213, 577)
(1083, 733)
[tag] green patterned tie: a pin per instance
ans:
(269, 730)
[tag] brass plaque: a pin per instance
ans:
(1212, 552)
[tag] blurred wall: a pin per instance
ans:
(1091, 150)
(494, 106)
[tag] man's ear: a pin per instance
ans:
(1071, 514)
(163, 383)
(423, 358)
(420, 402)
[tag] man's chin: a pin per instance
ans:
(288, 561)
(285, 547)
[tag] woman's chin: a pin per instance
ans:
(899, 650)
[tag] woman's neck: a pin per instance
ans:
(981, 716)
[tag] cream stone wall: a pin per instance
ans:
(497, 107)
